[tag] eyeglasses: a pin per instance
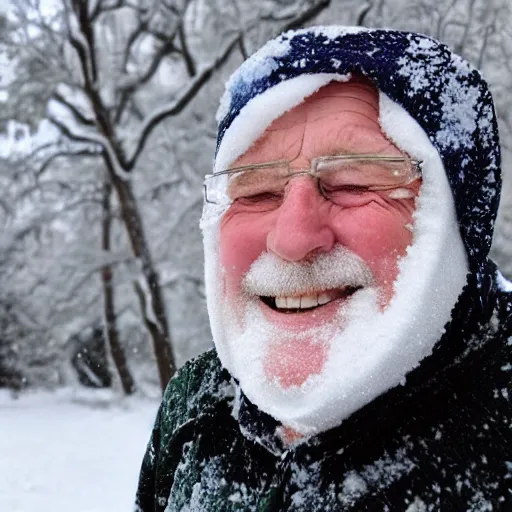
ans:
(263, 185)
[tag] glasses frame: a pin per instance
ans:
(417, 168)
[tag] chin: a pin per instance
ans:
(278, 365)
(290, 363)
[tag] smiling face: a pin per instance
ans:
(316, 244)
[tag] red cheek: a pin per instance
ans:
(377, 234)
(242, 241)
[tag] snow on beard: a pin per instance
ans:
(286, 368)
(292, 354)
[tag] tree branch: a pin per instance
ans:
(173, 280)
(80, 117)
(61, 154)
(151, 326)
(459, 48)
(242, 47)
(79, 43)
(177, 106)
(132, 85)
(489, 29)
(362, 15)
(7, 243)
(85, 29)
(131, 39)
(91, 138)
(101, 8)
(6, 207)
(94, 138)
(81, 35)
(189, 61)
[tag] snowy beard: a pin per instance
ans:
(287, 356)
(376, 349)
(277, 365)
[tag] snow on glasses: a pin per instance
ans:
(339, 179)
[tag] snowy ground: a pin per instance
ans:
(69, 452)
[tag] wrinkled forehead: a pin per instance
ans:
(341, 117)
(335, 96)
(268, 111)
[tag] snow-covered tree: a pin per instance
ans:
(133, 85)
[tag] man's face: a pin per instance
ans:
(340, 118)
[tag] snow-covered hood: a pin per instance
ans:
(437, 108)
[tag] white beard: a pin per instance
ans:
(318, 400)
(369, 351)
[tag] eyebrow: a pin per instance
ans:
(243, 178)
(337, 150)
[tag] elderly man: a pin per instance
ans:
(362, 334)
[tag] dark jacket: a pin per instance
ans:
(442, 441)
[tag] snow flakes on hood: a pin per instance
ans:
(259, 66)
(413, 65)
(267, 60)
(459, 109)
(417, 505)
(354, 486)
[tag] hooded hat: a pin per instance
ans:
(436, 107)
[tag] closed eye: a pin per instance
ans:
(259, 202)
(349, 196)
(353, 189)
(264, 196)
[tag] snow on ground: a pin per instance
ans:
(71, 452)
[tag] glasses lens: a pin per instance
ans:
(365, 173)
(257, 183)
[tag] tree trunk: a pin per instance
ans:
(150, 296)
(111, 333)
(106, 120)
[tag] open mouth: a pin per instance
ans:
(304, 303)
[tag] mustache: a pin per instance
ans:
(271, 276)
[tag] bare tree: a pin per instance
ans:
(112, 334)
(112, 73)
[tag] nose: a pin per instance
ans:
(301, 226)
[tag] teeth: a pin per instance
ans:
(308, 301)
(304, 302)
(323, 298)
(281, 302)
(312, 301)
(293, 302)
